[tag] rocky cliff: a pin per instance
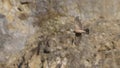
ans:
(59, 34)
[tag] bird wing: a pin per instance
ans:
(78, 23)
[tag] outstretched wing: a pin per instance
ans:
(78, 26)
(78, 23)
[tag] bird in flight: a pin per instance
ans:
(78, 29)
(78, 26)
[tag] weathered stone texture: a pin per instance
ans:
(40, 34)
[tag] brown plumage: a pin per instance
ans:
(78, 30)
(78, 26)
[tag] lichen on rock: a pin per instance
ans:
(46, 34)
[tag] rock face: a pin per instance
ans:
(41, 34)
(14, 31)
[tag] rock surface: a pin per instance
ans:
(40, 34)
